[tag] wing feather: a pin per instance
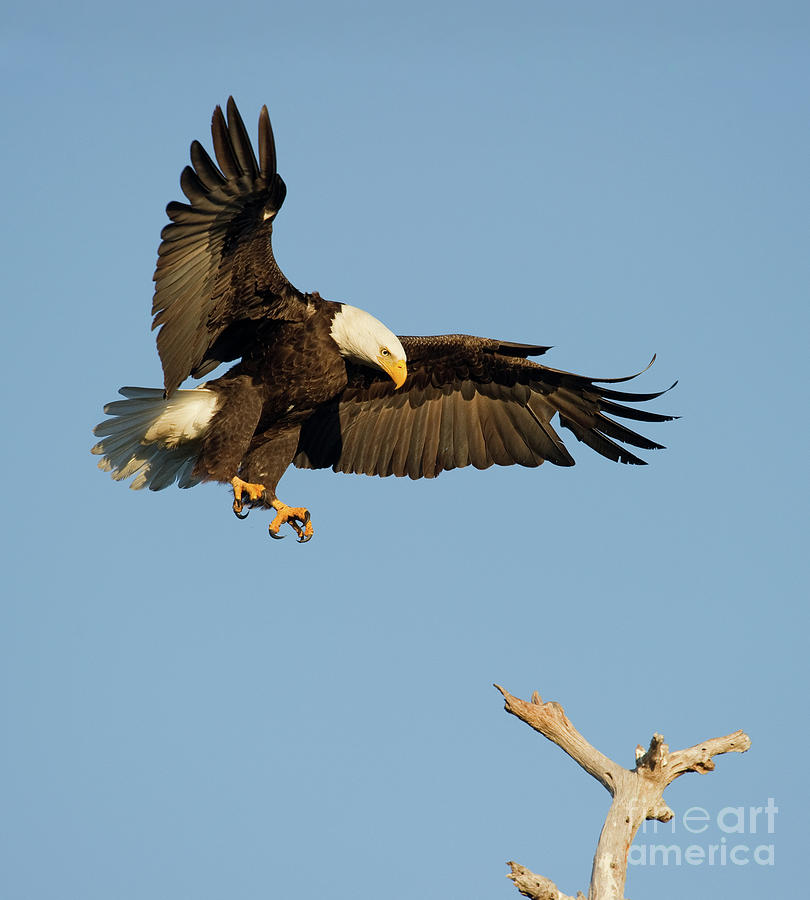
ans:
(205, 168)
(223, 148)
(401, 444)
(267, 144)
(416, 445)
(473, 433)
(240, 142)
(380, 460)
(453, 444)
(430, 450)
(196, 192)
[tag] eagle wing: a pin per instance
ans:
(216, 275)
(469, 401)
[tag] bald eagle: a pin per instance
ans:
(319, 383)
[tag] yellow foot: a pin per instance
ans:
(293, 515)
(254, 492)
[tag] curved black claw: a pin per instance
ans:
(299, 523)
(303, 537)
(239, 506)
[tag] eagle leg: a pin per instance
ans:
(293, 515)
(255, 492)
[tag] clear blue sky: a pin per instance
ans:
(193, 711)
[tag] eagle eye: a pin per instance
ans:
(384, 351)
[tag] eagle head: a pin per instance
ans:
(365, 340)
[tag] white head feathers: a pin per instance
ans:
(364, 339)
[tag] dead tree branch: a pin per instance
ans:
(637, 793)
(535, 886)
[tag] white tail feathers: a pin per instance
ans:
(154, 439)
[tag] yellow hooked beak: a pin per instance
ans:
(395, 368)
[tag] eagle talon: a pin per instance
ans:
(256, 496)
(304, 534)
(239, 508)
(292, 516)
(308, 532)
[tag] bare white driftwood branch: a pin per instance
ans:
(637, 793)
(535, 886)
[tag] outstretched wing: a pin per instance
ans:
(216, 275)
(469, 401)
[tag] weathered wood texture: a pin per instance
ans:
(637, 793)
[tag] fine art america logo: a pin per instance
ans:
(735, 836)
